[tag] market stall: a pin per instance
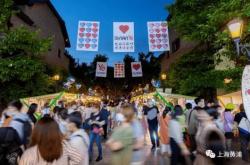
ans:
(52, 99)
(235, 98)
(166, 98)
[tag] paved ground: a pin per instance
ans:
(154, 158)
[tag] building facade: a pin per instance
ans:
(41, 15)
(178, 47)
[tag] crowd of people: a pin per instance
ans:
(65, 134)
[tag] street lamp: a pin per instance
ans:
(56, 77)
(163, 78)
(235, 28)
(227, 80)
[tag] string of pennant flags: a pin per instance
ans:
(119, 69)
(123, 36)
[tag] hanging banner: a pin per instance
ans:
(136, 69)
(88, 36)
(119, 70)
(101, 69)
(246, 90)
(158, 38)
(123, 37)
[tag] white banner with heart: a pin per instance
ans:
(158, 38)
(136, 69)
(123, 37)
(88, 36)
(101, 69)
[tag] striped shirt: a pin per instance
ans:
(70, 156)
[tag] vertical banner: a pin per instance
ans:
(101, 69)
(123, 37)
(246, 90)
(158, 38)
(119, 70)
(136, 69)
(88, 36)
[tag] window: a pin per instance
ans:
(59, 53)
(175, 45)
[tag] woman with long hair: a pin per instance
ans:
(48, 147)
(31, 112)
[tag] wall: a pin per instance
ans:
(171, 56)
(45, 21)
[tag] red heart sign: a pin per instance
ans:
(152, 35)
(159, 46)
(152, 41)
(94, 35)
(157, 30)
(94, 30)
(82, 29)
(87, 45)
(95, 24)
(158, 35)
(248, 91)
(124, 28)
(88, 34)
(136, 66)
(81, 34)
(163, 30)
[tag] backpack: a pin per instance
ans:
(10, 143)
(27, 129)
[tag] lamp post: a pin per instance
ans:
(235, 28)
(56, 78)
(163, 78)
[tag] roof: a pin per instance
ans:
(52, 8)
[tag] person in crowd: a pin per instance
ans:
(121, 141)
(228, 124)
(189, 108)
(31, 112)
(46, 110)
(19, 121)
(96, 130)
(61, 104)
(56, 111)
(192, 122)
(105, 115)
(164, 138)
(151, 113)
(244, 136)
(178, 148)
(49, 148)
(210, 140)
(138, 146)
(72, 108)
(62, 116)
(78, 138)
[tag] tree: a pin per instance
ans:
(22, 72)
(205, 23)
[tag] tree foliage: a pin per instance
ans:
(204, 22)
(22, 71)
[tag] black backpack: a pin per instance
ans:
(27, 129)
(10, 144)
